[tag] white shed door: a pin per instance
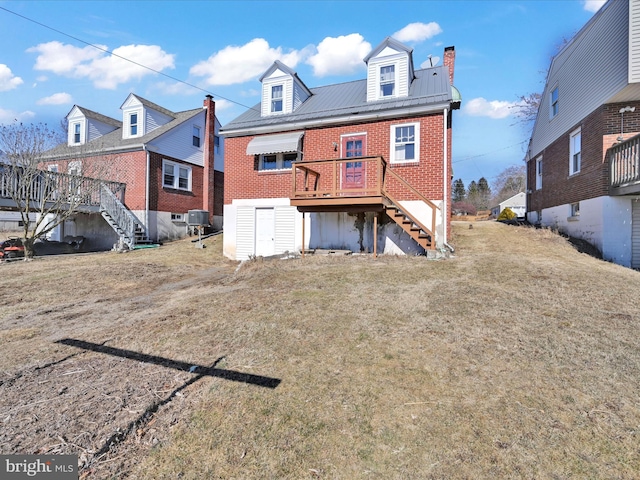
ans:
(635, 233)
(265, 232)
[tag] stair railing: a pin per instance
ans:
(428, 202)
(120, 214)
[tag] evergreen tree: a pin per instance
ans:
(459, 192)
(484, 194)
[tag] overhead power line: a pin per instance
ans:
(489, 153)
(97, 47)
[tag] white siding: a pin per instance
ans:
(401, 62)
(299, 95)
(286, 229)
(635, 234)
(634, 41)
(154, 119)
(98, 129)
(178, 142)
(588, 72)
(245, 232)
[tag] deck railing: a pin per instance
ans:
(44, 187)
(342, 177)
(624, 162)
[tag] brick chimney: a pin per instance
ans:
(209, 150)
(449, 61)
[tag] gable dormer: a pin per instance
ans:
(282, 90)
(85, 126)
(140, 116)
(389, 70)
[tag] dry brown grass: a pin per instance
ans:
(518, 358)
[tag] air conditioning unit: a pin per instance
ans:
(197, 217)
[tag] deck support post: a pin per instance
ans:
(303, 215)
(375, 235)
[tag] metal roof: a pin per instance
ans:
(430, 88)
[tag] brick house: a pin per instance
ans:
(362, 166)
(170, 162)
(583, 175)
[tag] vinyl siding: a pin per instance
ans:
(154, 120)
(177, 142)
(98, 129)
(245, 233)
(634, 42)
(285, 229)
(584, 80)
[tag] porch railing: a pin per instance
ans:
(43, 187)
(624, 162)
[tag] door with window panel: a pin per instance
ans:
(353, 173)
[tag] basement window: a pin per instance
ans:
(574, 213)
(177, 217)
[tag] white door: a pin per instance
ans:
(265, 232)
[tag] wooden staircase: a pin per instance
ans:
(415, 229)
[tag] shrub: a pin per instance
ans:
(506, 214)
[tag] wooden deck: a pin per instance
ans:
(624, 164)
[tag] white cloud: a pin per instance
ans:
(176, 88)
(9, 116)
(238, 64)
(593, 5)
(341, 55)
(417, 32)
(496, 109)
(106, 71)
(8, 81)
(56, 99)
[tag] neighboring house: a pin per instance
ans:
(171, 163)
(583, 173)
(517, 204)
(362, 166)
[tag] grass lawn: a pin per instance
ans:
(517, 358)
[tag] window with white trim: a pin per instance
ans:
(575, 149)
(176, 175)
(405, 143)
(539, 173)
(177, 217)
(276, 98)
(196, 136)
(216, 144)
(553, 103)
(387, 81)
(76, 133)
(278, 161)
(133, 124)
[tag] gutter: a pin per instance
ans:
(353, 117)
(146, 189)
(445, 177)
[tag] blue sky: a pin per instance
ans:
(503, 49)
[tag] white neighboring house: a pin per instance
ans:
(517, 204)
(583, 175)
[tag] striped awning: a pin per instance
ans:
(280, 143)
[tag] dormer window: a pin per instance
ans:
(276, 98)
(387, 81)
(133, 124)
(76, 133)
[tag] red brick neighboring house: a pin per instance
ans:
(583, 173)
(171, 162)
(363, 166)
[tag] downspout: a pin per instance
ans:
(146, 190)
(445, 163)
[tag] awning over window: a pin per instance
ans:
(280, 143)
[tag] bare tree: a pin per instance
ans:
(511, 181)
(53, 197)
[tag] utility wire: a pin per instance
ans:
(489, 153)
(123, 58)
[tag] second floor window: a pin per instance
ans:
(387, 81)
(539, 173)
(276, 98)
(196, 136)
(133, 123)
(405, 143)
(216, 144)
(76, 133)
